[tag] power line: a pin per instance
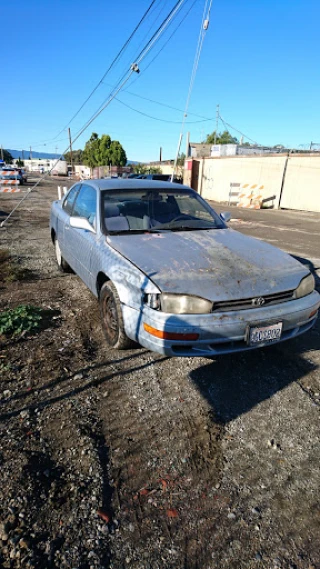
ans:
(140, 57)
(164, 22)
(162, 8)
(118, 56)
(164, 105)
(157, 118)
(142, 54)
(164, 45)
(134, 68)
(76, 138)
(203, 28)
(159, 31)
(238, 131)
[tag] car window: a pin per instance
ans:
(192, 207)
(86, 204)
(150, 209)
(70, 198)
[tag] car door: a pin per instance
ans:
(82, 241)
(63, 223)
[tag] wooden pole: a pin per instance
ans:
(70, 150)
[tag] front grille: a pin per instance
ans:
(247, 303)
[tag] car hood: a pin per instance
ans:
(219, 264)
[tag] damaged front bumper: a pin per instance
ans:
(217, 333)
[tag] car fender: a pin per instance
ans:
(131, 283)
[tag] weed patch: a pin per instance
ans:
(26, 319)
(23, 318)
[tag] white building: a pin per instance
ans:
(58, 167)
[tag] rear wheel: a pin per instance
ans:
(112, 319)
(62, 264)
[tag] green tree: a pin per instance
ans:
(90, 154)
(103, 152)
(20, 163)
(76, 157)
(118, 156)
(221, 138)
(140, 169)
(154, 170)
(180, 164)
(7, 157)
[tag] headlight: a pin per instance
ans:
(305, 287)
(184, 304)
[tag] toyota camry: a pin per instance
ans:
(171, 275)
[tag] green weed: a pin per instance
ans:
(23, 318)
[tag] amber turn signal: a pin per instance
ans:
(313, 313)
(169, 335)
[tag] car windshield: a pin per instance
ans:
(146, 210)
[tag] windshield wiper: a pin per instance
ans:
(185, 228)
(134, 231)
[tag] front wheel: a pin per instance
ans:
(112, 319)
(62, 264)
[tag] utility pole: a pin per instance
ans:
(70, 151)
(2, 152)
(217, 125)
(188, 145)
(160, 156)
(310, 145)
(30, 153)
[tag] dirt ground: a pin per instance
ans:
(130, 459)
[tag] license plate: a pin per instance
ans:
(265, 334)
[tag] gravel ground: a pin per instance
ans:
(131, 459)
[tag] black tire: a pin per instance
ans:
(62, 264)
(112, 319)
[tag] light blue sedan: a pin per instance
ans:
(171, 275)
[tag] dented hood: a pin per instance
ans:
(218, 264)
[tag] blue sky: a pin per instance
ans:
(259, 61)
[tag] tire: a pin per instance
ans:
(62, 264)
(112, 319)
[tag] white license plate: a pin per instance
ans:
(261, 334)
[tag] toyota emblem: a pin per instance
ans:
(258, 301)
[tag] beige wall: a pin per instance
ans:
(219, 173)
(302, 184)
(165, 168)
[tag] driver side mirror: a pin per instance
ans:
(225, 216)
(81, 223)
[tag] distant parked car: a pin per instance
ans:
(161, 177)
(171, 275)
(24, 175)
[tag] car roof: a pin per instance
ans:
(134, 184)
